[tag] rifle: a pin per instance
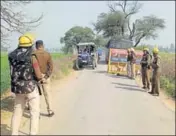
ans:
(39, 86)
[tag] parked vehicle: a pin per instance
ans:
(87, 55)
(116, 56)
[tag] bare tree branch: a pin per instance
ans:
(140, 38)
(16, 21)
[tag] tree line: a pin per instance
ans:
(115, 24)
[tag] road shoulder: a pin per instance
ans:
(166, 100)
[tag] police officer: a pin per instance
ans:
(145, 67)
(132, 62)
(24, 83)
(46, 67)
(156, 73)
(128, 62)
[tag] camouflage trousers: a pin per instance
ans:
(33, 99)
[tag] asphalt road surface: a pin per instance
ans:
(102, 104)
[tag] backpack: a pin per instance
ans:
(22, 74)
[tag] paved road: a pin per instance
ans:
(98, 103)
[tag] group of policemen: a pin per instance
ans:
(30, 77)
(148, 63)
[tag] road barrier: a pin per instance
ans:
(117, 63)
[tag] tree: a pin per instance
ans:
(122, 11)
(111, 24)
(13, 20)
(76, 35)
(100, 41)
(147, 28)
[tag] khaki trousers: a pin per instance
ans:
(128, 69)
(145, 77)
(46, 92)
(132, 70)
(156, 82)
(20, 101)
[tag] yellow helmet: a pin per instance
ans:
(26, 40)
(155, 50)
(146, 49)
(128, 49)
(132, 49)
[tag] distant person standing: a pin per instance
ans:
(46, 67)
(132, 62)
(156, 72)
(128, 62)
(25, 73)
(145, 67)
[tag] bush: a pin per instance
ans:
(168, 86)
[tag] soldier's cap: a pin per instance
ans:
(39, 42)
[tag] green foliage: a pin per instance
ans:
(168, 86)
(110, 24)
(76, 35)
(116, 24)
(5, 72)
(147, 27)
(100, 41)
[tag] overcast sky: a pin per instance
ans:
(62, 15)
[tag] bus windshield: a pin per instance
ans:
(119, 44)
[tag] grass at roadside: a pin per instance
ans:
(167, 79)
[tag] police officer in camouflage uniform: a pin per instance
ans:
(156, 72)
(25, 73)
(145, 67)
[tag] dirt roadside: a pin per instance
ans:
(7, 101)
(166, 100)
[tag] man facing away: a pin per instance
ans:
(25, 73)
(46, 67)
(145, 67)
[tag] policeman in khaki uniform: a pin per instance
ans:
(128, 62)
(132, 63)
(145, 67)
(46, 67)
(156, 72)
(25, 73)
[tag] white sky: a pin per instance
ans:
(62, 15)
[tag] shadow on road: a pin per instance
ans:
(119, 76)
(101, 72)
(102, 62)
(27, 114)
(7, 104)
(129, 89)
(6, 130)
(124, 84)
